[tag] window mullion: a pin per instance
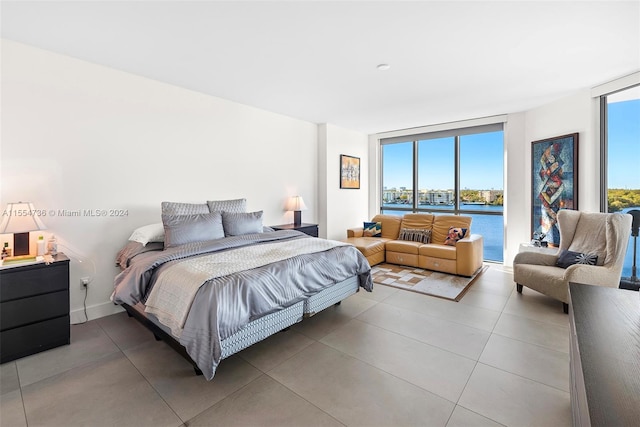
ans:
(456, 185)
(604, 164)
(415, 176)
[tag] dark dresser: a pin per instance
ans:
(605, 355)
(310, 229)
(34, 308)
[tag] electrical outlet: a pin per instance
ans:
(85, 281)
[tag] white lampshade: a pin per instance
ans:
(20, 218)
(296, 203)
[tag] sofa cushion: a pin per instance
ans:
(438, 251)
(422, 221)
(372, 229)
(442, 223)
(367, 245)
(390, 225)
(403, 246)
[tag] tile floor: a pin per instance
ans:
(387, 358)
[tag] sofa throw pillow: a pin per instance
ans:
(415, 235)
(568, 258)
(372, 229)
(455, 234)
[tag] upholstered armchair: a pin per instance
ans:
(605, 235)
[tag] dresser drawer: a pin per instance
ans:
(24, 311)
(42, 279)
(26, 340)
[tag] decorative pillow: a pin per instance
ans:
(568, 258)
(182, 229)
(455, 234)
(372, 229)
(174, 208)
(415, 235)
(148, 233)
(238, 223)
(236, 205)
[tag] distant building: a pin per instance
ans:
(438, 197)
(490, 196)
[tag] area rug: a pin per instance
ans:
(442, 285)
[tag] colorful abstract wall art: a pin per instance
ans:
(554, 179)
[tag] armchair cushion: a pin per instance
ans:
(588, 237)
(568, 258)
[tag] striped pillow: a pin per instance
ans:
(415, 235)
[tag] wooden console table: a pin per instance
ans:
(605, 355)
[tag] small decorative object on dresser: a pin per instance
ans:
(310, 229)
(34, 308)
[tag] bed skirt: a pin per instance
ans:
(258, 329)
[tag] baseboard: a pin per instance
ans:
(95, 312)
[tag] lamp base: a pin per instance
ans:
(630, 283)
(20, 244)
(297, 218)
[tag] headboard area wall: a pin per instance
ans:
(99, 149)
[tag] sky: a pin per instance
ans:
(624, 144)
(481, 157)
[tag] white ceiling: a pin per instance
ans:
(450, 60)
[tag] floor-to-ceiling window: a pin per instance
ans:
(454, 172)
(620, 127)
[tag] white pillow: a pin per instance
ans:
(148, 233)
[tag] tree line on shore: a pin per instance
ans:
(620, 199)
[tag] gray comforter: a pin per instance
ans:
(224, 305)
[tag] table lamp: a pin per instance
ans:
(20, 218)
(296, 204)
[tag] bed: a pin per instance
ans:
(210, 295)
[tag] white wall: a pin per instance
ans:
(81, 136)
(341, 208)
(576, 113)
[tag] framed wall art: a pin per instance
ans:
(349, 171)
(554, 184)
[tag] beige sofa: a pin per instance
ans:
(463, 259)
